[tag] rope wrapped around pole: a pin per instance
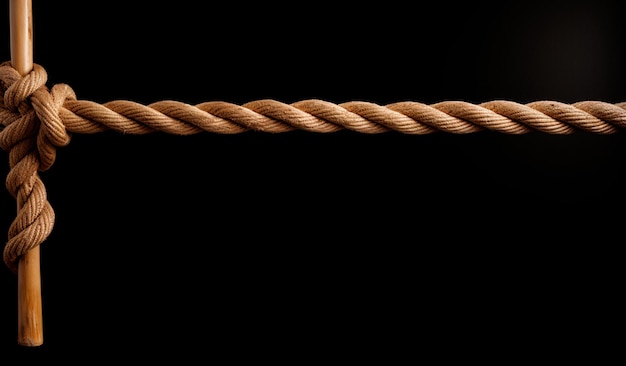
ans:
(35, 120)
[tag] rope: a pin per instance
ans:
(36, 120)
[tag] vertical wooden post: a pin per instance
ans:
(21, 27)
(29, 317)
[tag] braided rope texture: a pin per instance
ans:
(35, 120)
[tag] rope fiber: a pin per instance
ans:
(35, 120)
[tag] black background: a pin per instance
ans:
(304, 246)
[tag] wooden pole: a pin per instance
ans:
(21, 23)
(29, 309)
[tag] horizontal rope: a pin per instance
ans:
(35, 120)
(315, 115)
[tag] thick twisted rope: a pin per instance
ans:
(36, 120)
(32, 129)
(320, 116)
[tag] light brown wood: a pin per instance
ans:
(30, 326)
(21, 27)
(29, 307)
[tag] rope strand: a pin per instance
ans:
(323, 117)
(35, 121)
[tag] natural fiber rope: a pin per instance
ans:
(36, 120)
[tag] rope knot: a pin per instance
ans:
(30, 130)
(28, 108)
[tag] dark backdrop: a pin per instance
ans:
(297, 245)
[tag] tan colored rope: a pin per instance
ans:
(36, 120)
